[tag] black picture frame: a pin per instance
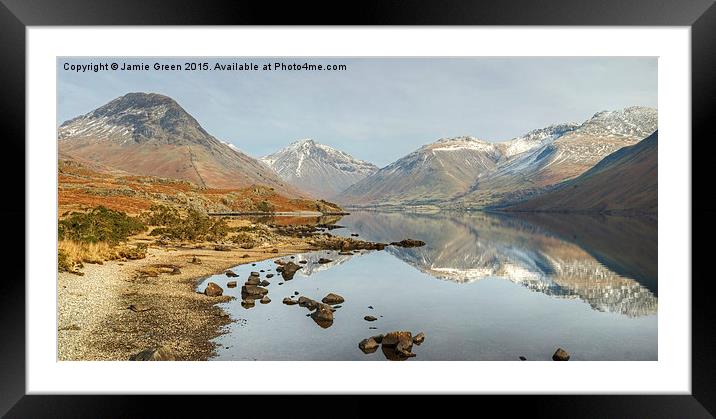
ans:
(16, 15)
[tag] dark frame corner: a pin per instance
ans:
(700, 15)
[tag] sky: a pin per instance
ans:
(378, 109)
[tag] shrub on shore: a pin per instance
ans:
(195, 226)
(99, 225)
(95, 237)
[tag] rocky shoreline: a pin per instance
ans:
(149, 309)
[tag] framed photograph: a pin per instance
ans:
(429, 198)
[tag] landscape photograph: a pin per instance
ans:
(357, 209)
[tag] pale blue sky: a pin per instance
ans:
(380, 108)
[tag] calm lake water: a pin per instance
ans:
(484, 287)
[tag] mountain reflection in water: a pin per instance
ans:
(606, 261)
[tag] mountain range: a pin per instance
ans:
(560, 167)
(318, 169)
(467, 172)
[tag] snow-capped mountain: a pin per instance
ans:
(317, 168)
(151, 134)
(435, 172)
(467, 172)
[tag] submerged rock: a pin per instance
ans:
(560, 355)
(213, 290)
(332, 298)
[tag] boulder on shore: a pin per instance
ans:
(213, 290)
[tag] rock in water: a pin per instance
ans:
(370, 318)
(392, 338)
(213, 290)
(265, 283)
(333, 299)
(560, 355)
(289, 302)
(253, 280)
(231, 274)
(265, 300)
(377, 338)
(253, 291)
(248, 303)
(324, 260)
(231, 284)
(308, 303)
(154, 354)
(368, 346)
(289, 270)
(404, 348)
(522, 358)
(269, 276)
(419, 338)
(323, 315)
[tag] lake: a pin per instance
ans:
(484, 287)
